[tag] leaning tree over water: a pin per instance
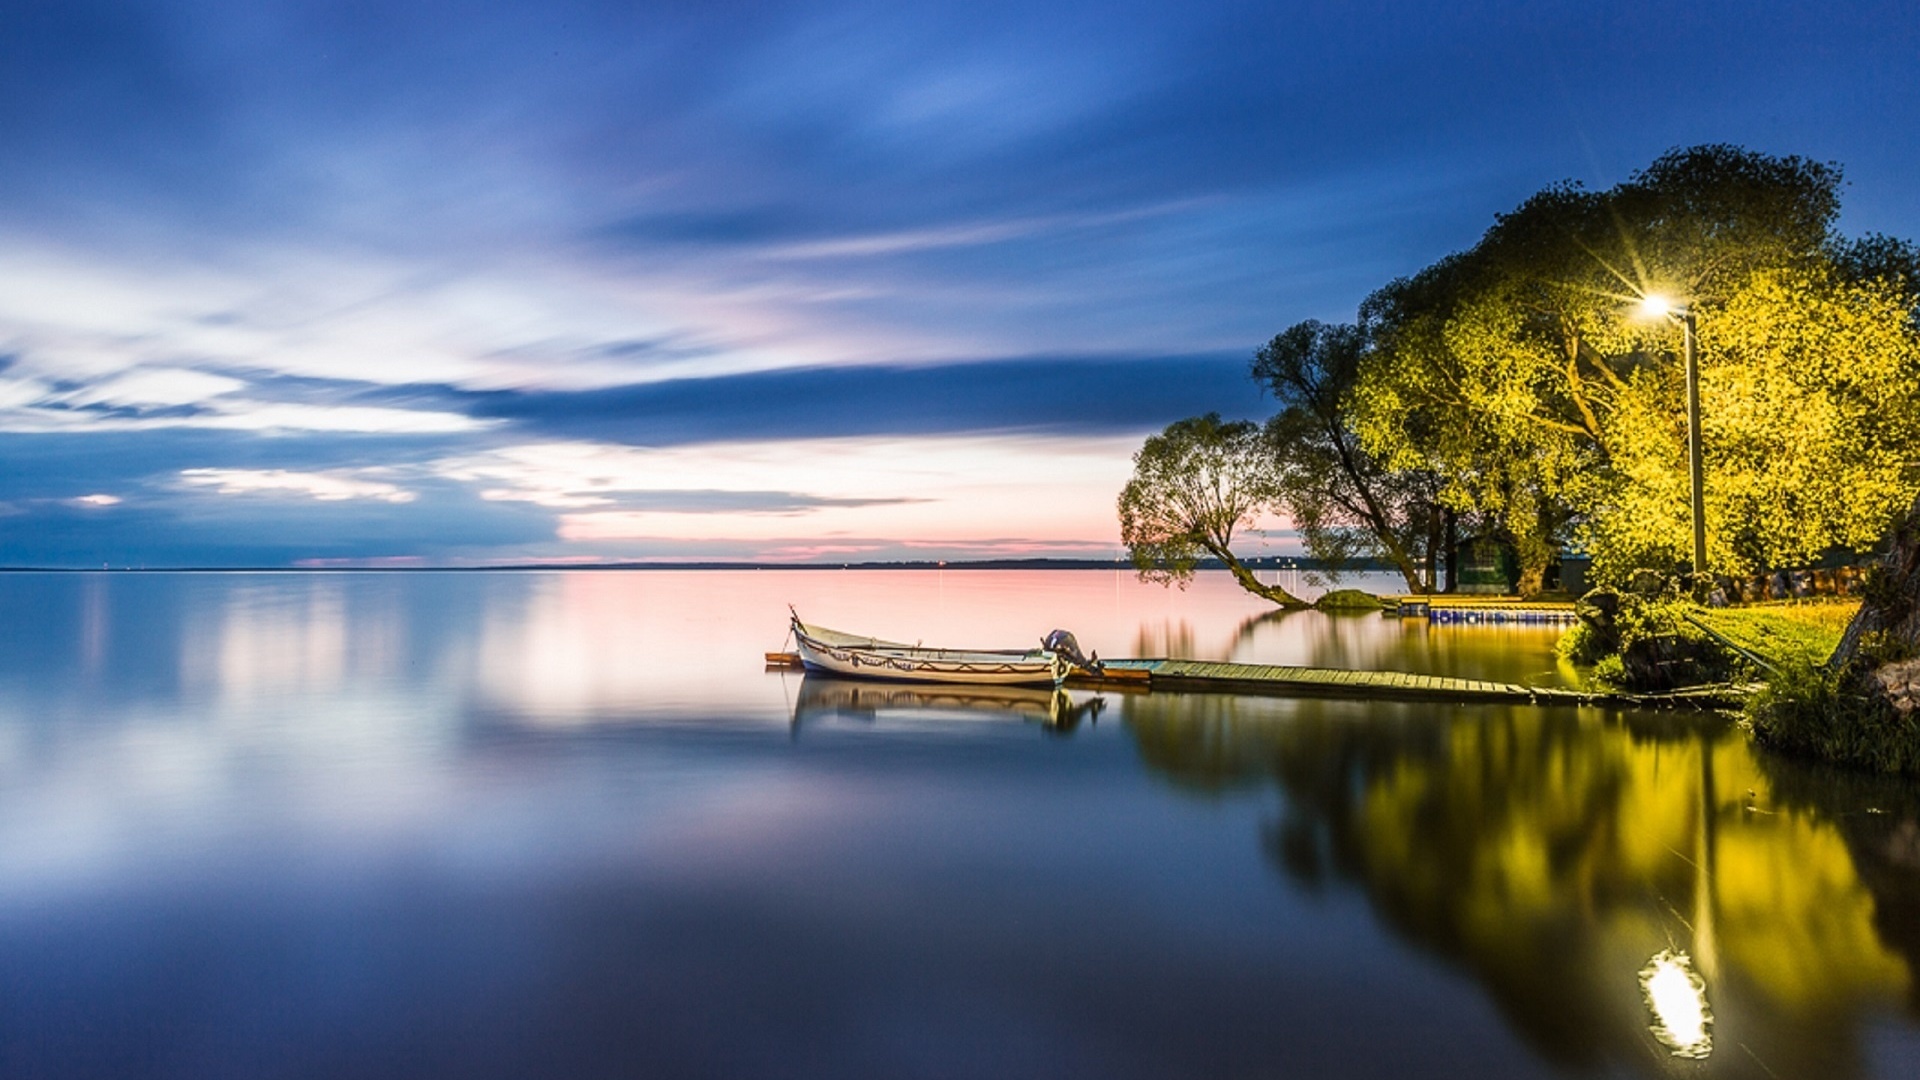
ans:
(1194, 485)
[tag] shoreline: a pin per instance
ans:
(972, 564)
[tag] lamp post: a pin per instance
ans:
(1657, 305)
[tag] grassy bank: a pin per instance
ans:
(1783, 633)
(1666, 643)
(1805, 708)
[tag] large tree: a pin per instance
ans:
(1810, 398)
(1440, 393)
(1519, 370)
(1343, 501)
(1194, 486)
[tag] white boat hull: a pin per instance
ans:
(870, 658)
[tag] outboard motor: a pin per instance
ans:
(1062, 642)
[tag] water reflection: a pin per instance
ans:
(1370, 640)
(559, 648)
(1174, 639)
(1550, 853)
(546, 804)
(1677, 997)
(822, 698)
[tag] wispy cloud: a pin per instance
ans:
(325, 487)
(55, 413)
(144, 387)
(964, 234)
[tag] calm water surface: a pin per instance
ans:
(565, 824)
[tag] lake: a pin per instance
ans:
(566, 824)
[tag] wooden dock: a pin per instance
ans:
(1280, 680)
(1286, 680)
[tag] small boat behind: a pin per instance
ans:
(840, 653)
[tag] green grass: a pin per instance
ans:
(1786, 632)
(1806, 708)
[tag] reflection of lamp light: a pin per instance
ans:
(1679, 1002)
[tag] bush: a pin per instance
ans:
(1349, 600)
(1609, 671)
(1645, 643)
(1579, 645)
(1811, 710)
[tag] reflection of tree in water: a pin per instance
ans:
(1171, 640)
(1880, 818)
(1244, 633)
(1366, 639)
(1552, 854)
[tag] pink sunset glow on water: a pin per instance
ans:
(514, 822)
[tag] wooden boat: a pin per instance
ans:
(839, 653)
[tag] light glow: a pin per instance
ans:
(1655, 306)
(1678, 1000)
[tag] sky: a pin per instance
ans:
(437, 283)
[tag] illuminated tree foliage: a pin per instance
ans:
(1194, 485)
(1515, 389)
(1343, 501)
(1519, 373)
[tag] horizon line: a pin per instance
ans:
(1258, 563)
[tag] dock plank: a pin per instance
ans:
(1283, 679)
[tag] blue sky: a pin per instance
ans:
(463, 283)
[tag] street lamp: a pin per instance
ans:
(1654, 305)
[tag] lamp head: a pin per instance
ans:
(1656, 305)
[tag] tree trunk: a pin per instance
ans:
(1432, 569)
(1452, 547)
(1400, 559)
(1410, 572)
(1532, 554)
(1892, 604)
(1253, 585)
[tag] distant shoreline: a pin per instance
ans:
(1275, 563)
